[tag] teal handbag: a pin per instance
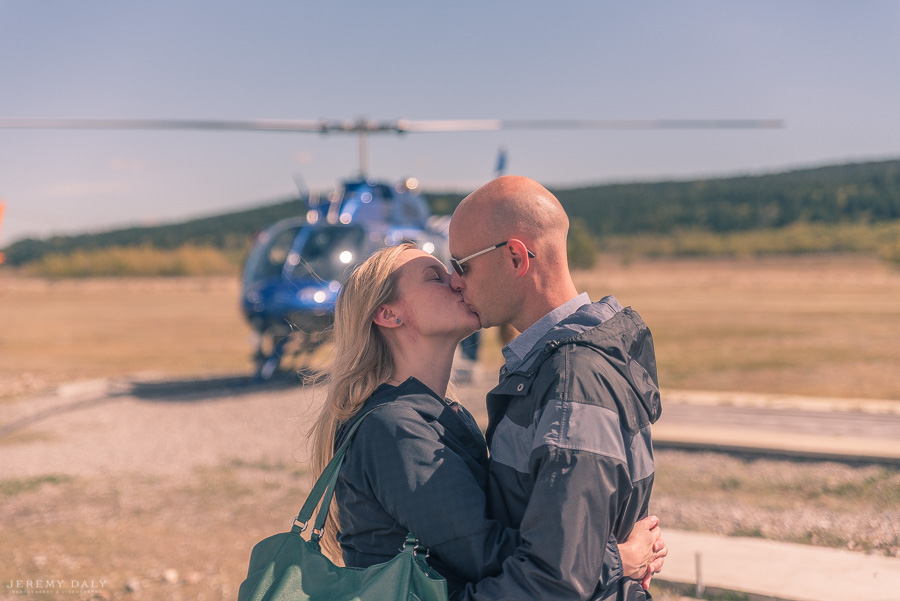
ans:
(285, 567)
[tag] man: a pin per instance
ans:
(569, 422)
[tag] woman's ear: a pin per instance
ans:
(386, 317)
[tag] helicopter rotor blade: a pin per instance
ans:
(398, 126)
(362, 126)
(283, 125)
(608, 124)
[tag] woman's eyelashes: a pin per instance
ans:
(437, 276)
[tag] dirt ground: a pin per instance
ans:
(131, 488)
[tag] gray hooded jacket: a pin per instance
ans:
(571, 456)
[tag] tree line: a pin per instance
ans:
(230, 232)
(851, 193)
(854, 193)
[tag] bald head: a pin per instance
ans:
(515, 206)
(529, 276)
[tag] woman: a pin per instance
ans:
(419, 463)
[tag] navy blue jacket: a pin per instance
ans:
(417, 465)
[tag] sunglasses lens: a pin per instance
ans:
(456, 266)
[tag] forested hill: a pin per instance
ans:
(230, 231)
(857, 192)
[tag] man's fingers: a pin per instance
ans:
(660, 548)
(659, 556)
(648, 523)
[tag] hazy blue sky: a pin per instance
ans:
(830, 69)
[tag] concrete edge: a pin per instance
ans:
(711, 593)
(846, 457)
(781, 401)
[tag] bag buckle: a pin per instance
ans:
(412, 545)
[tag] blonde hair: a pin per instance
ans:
(361, 362)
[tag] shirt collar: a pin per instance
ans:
(520, 347)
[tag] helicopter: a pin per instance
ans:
(295, 268)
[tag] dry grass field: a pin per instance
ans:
(822, 326)
(825, 326)
(66, 330)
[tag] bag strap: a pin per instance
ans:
(323, 490)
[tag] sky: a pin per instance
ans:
(828, 69)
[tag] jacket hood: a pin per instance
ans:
(624, 340)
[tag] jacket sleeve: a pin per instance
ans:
(568, 549)
(430, 490)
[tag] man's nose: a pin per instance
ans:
(457, 282)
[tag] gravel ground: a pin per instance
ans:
(162, 488)
(812, 502)
(101, 428)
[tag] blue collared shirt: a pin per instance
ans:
(521, 346)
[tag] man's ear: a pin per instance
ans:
(386, 317)
(518, 253)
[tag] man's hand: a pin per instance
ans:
(660, 550)
(644, 552)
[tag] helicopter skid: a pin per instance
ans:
(286, 343)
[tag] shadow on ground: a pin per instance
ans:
(199, 389)
(169, 391)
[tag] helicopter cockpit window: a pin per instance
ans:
(376, 191)
(270, 262)
(330, 253)
(383, 191)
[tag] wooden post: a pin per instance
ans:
(700, 587)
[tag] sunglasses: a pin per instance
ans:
(458, 263)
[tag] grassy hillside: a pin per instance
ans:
(852, 207)
(230, 232)
(858, 193)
